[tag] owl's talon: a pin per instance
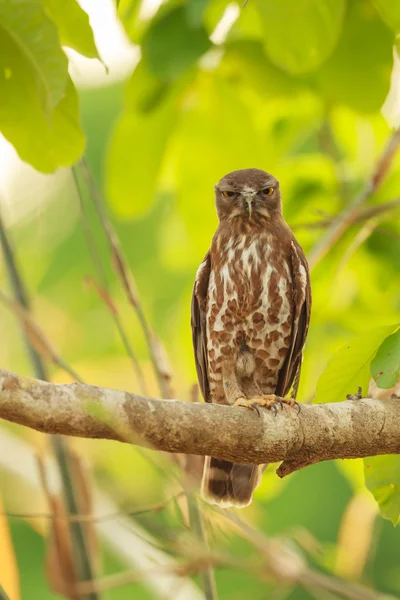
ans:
(255, 407)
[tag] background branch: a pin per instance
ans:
(350, 213)
(350, 429)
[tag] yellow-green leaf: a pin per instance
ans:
(389, 10)
(382, 478)
(73, 26)
(385, 368)
(34, 36)
(349, 368)
(45, 140)
(300, 34)
(139, 143)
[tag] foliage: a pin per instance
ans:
(349, 367)
(382, 477)
(294, 87)
(385, 367)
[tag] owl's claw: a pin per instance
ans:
(270, 401)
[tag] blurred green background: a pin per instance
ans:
(301, 97)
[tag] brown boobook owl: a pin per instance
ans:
(250, 313)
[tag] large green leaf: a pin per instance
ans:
(390, 13)
(349, 368)
(172, 44)
(139, 143)
(73, 26)
(31, 34)
(358, 73)
(382, 478)
(245, 62)
(45, 140)
(299, 35)
(385, 368)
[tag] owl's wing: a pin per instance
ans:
(198, 320)
(290, 372)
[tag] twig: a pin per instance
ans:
(60, 448)
(92, 518)
(341, 223)
(37, 337)
(358, 216)
(197, 526)
(286, 566)
(102, 289)
(3, 595)
(125, 276)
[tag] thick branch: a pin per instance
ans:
(350, 429)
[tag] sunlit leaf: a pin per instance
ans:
(30, 33)
(45, 141)
(390, 13)
(349, 367)
(245, 62)
(172, 45)
(382, 478)
(73, 26)
(385, 367)
(358, 73)
(194, 11)
(139, 143)
(299, 35)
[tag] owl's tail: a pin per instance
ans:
(227, 484)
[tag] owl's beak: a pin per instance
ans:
(249, 202)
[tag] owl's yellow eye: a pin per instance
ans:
(228, 194)
(268, 191)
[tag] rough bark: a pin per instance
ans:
(349, 429)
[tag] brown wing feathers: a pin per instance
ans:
(199, 333)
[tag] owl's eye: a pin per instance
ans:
(228, 194)
(268, 191)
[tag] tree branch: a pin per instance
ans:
(351, 429)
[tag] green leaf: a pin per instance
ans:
(389, 10)
(355, 54)
(33, 35)
(301, 34)
(349, 367)
(139, 143)
(382, 478)
(171, 45)
(73, 26)
(46, 141)
(385, 368)
(246, 63)
(195, 11)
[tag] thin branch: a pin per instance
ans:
(358, 216)
(160, 366)
(36, 336)
(60, 448)
(102, 289)
(3, 595)
(345, 218)
(365, 427)
(155, 508)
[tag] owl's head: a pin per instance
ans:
(248, 193)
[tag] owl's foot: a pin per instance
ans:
(270, 401)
